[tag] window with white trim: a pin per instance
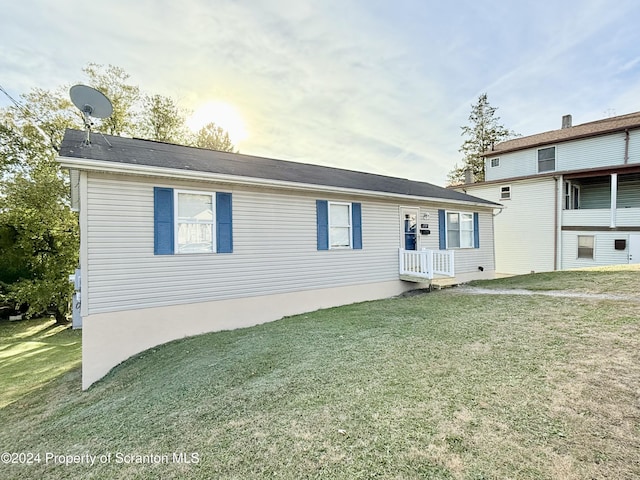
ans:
(339, 225)
(495, 162)
(585, 246)
(546, 159)
(195, 222)
(459, 230)
(505, 192)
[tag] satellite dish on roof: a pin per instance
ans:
(91, 103)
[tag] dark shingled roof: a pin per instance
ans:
(133, 151)
(584, 130)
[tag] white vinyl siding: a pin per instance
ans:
(275, 248)
(514, 164)
(524, 230)
(470, 259)
(604, 252)
(601, 151)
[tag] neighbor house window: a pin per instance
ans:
(195, 222)
(339, 225)
(546, 159)
(585, 246)
(495, 162)
(505, 192)
(459, 230)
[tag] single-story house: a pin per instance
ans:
(176, 241)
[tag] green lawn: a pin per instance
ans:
(33, 353)
(444, 385)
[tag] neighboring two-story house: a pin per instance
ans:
(571, 196)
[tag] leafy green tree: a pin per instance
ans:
(483, 131)
(39, 236)
(162, 120)
(213, 137)
(113, 82)
(38, 231)
(43, 234)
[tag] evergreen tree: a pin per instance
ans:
(483, 131)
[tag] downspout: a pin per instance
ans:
(626, 146)
(555, 225)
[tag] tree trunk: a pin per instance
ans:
(61, 318)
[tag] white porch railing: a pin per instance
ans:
(426, 263)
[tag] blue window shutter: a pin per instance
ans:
(442, 229)
(476, 230)
(224, 223)
(163, 221)
(356, 218)
(322, 220)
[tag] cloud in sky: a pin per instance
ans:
(381, 86)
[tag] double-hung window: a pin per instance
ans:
(187, 221)
(546, 159)
(339, 225)
(459, 230)
(586, 246)
(195, 227)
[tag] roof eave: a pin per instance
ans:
(152, 171)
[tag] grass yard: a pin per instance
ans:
(444, 385)
(33, 353)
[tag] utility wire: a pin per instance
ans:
(27, 113)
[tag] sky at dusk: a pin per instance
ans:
(377, 86)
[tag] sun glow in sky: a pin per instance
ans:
(380, 86)
(223, 115)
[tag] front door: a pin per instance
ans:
(634, 248)
(409, 218)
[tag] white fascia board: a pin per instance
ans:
(151, 171)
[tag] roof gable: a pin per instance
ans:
(147, 153)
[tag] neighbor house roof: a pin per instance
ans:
(111, 153)
(591, 129)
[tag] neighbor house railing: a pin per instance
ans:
(426, 263)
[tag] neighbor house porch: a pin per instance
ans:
(606, 201)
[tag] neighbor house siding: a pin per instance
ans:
(634, 146)
(604, 251)
(524, 229)
(274, 248)
(600, 151)
(591, 152)
(513, 164)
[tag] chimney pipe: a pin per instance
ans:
(468, 176)
(566, 121)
